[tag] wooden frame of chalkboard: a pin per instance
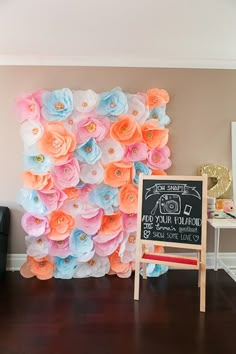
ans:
(172, 212)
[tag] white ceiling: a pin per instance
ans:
(148, 33)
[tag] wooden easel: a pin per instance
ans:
(194, 263)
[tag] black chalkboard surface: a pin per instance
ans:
(171, 211)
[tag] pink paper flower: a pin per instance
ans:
(59, 248)
(137, 107)
(73, 207)
(53, 199)
(28, 106)
(67, 175)
(136, 152)
(91, 127)
(159, 158)
(111, 151)
(129, 222)
(107, 244)
(93, 174)
(89, 220)
(35, 226)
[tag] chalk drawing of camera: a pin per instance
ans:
(170, 204)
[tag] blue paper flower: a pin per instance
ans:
(38, 164)
(140, 168)
(57, 105)
(30, 201)
(113, 103)
(104, 196)
(65, 267)
(88, 152)
(81, 244)
(155, 270)
(159, 113)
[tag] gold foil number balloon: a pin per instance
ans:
(222, 176)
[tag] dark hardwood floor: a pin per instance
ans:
(83, 316)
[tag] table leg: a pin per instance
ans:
(217, 242)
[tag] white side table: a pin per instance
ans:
(219, 224)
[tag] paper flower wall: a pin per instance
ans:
(83, 153)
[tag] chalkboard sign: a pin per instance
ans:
(171, 210)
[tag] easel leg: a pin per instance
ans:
(199, 270)
(144, 270)
(136, 280)
(203, 282)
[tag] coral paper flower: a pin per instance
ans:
(30, 201)
(128, 197)
(95, 267)
(129, 222)
(110, 224)
(67, 175)
(159, 113)
(28, 106)
(136, 152)
(105, 245)
(123, 270)
(81, 245)
(91, 127)
(59, 248)
(89, 220)
(53, 199)
(111, 151)
(37, 182)
(57, 105)
(57, 143)
(118, 173)
(140, 168)
(65, 267)
(61, 225)
(104, 196)
(93, 174)
(85, 101)
(31, 131)
(72, 193)
(137, 107)
(113, 103)
(88, 152)
(35, 226)
(154, 136)
(38, 164)
(157, 97)
(159, 158)
(159, 172)
(126, 130)
(37, 247)
(41, 268)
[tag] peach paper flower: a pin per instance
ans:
(154, 136)
(37, 182)
(157, 97)
(123, 270)
(41, 268)
(61, 225)
(126, 130)
(118, 173)
(110, 224)
(128, 197)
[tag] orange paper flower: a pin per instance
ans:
(41, 268)
(154, 136)
(123, 270)
(128, 197)
(118, 173)
(157, 97)
(57, 143)
(37, 182)
(159, 173)
(61, 225)
(110, 224)
(126, 130)
(72, 193)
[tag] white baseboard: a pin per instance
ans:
(15, 260)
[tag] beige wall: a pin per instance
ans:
(202, 106)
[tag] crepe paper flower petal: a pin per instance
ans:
(31, 150)
(72, 193)
(73, 207)
(59, 248)
(91, 127)
(57, 143)
(101, 238)
(85, 101)
(104, 196)
(107, 248)
(65, 267)
(157, 97)
(85, 190)
(110, 224)
(37, 182)
(61, 225)
(123, 270)
(137, 107)
(37, 247)
(95, 267)
(159, 113)
(92, 174)
(159, 172)
(129, 222)
(28, 106)
(88, 152)
(67, 175)
(89, 220)
(113, 103)
(128, 198)
(155, 270)
(140, 168)
(118, 173)
(35, 226)
(153, 135)
(57, 105)
(41, 268)
(81, 245)
(31, 202)
(128, 248)
(111, 151)
(136, 152)
(31, 131)
(53, 199)
(126, 130)
(159, 158)
(38, 164)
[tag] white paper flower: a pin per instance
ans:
(92, 174)
(95, 267)
(85, 101)
(111, 151)
(138, 108)
(127, 248)
(31, 131)
(37, 247)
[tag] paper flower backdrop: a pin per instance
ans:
(83, 153)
